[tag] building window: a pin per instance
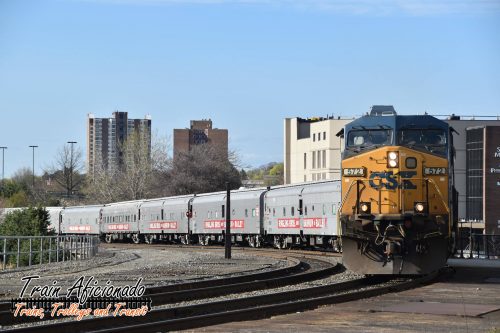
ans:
(305, 178)
(314, 137)
(324, 135)
(305, 160)
(314, 160)
(324, 158)
(319, 159)
(319, 136)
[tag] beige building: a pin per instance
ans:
(200, 132)
(312, 149)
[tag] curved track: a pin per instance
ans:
(301, 271)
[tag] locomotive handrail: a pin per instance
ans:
(346, 195)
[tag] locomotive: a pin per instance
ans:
(397, 214)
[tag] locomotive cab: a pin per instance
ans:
(397, 173)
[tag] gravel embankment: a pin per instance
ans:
(124, 266)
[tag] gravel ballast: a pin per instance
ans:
(156, 266)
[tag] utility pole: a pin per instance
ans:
(3, 162)
(227, 236)
(70, 189)
(33, 164)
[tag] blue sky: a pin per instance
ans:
(245, 64)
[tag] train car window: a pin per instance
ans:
(162, 214)
(293, 211)
(274, 212)
(305, 210)
(313, 208)
(223, 209)
(246, 212)
(284, 211)
(217, 214)
(234, 212)
(253, 212)
(135, 217)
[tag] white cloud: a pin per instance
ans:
(354, 7)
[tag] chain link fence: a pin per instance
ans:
(19, 251)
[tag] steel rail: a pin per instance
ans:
(240, 309)
(297, 274)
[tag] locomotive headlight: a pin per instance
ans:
(420, 207)
(365, 207)
(392, 159)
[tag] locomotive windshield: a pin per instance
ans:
(367, 139)
(431, 140)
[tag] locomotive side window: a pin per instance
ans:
(293, 211)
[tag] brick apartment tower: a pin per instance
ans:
(200, 132)
(106, 135)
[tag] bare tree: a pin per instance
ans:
(67, 168)
(205, 168)
(139, 177)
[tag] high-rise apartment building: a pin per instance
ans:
(200, 132)
(105, 138)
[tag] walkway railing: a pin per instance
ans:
(18, 251)
(478, 246)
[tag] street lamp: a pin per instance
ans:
(71, 169)
(33, 164)
(3, 161)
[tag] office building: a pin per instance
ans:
(312, 151)
(199, 132)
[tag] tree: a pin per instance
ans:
(66, 170)
(271, 173)
(139, 177)
(32, 221)
(205, 168)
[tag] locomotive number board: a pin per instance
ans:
(432, 171)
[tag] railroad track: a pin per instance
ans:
(239, 309)
(301, 271)
(315, 251)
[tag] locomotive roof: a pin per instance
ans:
(396, 122)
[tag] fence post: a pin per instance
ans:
(64, 248)
(4, 252)
(18, 251)
(486, 251)
(29, 262)
(50, 248)
(57, 249)
(41, 250)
